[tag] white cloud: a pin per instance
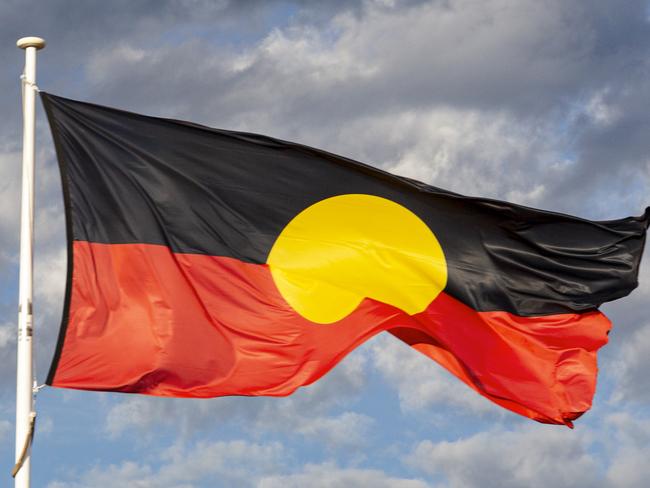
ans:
(350, 429)
(470, 152)
(7, 334)
(534, 457)
(629, 446)
(6, 429)
(611, 455)
(226, 464)
(627, 356)
(600, 111)
(10, 169)
(235, 464)
(423, 384)
(631, 366)
(330, 476)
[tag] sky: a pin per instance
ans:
(538, 102)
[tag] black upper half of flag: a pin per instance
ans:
(130, 178)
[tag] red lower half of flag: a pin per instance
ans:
(146, 320)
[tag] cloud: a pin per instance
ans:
(232, 464)
(6, 429)
(540, 103)
(629, 448)
(229, 464)
(49, 256)
(7, 333)
(350, 429)
(612, 454)
(532, 457)
(330, 476)
(514, 105)
(469, 152)
(7, 349)
(498, 55)
(313, 412)
(423, 384)
(631, 366)
(626, 359)
(237, 464)
(9, 207)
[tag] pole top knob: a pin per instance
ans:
(25, 42)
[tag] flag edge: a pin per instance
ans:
(63, 172)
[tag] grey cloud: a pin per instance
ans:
(629, 451)
(533, 458)
(631, 366)
(624, 362)
(612, 149)
(543, 103)
(49, 267)
(448, 92)
(9, 208)
(491, 112)
(74, 30)
(538, 67)
(453, 93)
(631, 312)
(612, 455)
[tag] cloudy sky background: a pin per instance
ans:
(540, 102)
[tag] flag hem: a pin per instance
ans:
(69, 241)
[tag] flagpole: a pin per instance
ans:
(25, 415)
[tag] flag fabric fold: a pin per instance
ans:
(205, 262)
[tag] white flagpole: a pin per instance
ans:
(25, 375)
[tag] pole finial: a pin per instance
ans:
(25, 42)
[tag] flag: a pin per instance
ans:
(205, 262)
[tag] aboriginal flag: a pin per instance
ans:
(206, 262)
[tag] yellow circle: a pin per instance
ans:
(343, 249)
